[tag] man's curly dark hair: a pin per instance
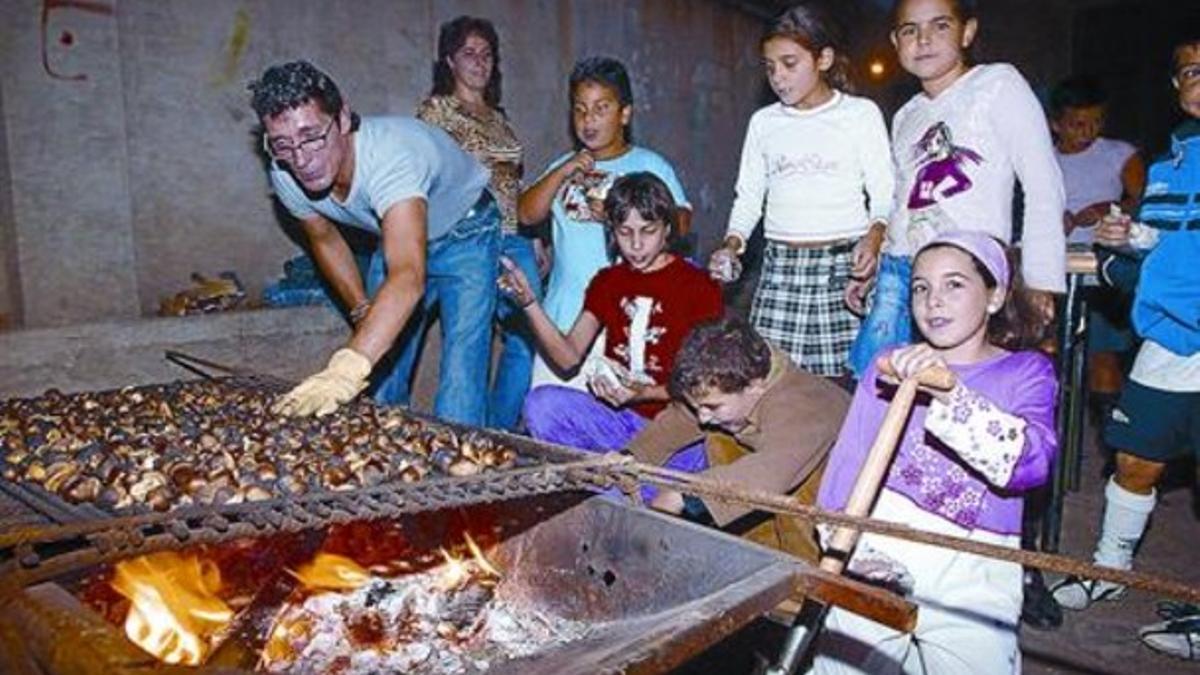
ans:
(290, 85)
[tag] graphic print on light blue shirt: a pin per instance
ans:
(580, 248)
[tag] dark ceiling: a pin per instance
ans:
(769, 9)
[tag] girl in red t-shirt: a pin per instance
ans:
(647, 302)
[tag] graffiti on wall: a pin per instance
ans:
(65, 39)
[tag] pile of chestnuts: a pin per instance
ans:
(217, 442)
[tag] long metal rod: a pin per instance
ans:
(204, 368)
(773, 503)
(800, 638)
(35, 554)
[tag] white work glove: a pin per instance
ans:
(321, 394)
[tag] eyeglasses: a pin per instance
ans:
(280, 151)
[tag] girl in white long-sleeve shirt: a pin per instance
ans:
(959, 146)
(816, 169)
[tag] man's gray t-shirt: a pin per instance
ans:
(395, 158)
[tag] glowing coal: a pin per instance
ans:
(451, 618)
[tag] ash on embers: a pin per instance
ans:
(452, 618)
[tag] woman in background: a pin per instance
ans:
(465, 102)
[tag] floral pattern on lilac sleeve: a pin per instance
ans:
(937, 483)
(985, 437)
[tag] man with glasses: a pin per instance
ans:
(439, 236)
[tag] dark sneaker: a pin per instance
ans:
(1039, 609)
(1178, 635)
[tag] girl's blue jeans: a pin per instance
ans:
(889, 323)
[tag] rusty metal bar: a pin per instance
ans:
(692, 484)
(36, 554)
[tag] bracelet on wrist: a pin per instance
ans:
(360, 312)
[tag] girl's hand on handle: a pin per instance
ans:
(925, 364)
(512, 282)
(1092, 214)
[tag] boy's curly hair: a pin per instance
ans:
(723, 355)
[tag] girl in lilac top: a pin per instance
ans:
(962, 464)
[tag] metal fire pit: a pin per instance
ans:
(654, 590)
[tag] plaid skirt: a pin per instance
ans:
(798, 305)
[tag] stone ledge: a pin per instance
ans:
(287, 342)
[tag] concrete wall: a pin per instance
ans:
(284, 343)
(130, 147)
(67, 157)
(10, 309)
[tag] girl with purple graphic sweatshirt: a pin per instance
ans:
(958, 147)
(962, 464)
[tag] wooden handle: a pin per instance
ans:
(879, 458)
(870, 477)
(935, 378)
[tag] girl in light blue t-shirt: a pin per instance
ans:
(573, 187)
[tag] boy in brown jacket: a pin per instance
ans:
(769, 426)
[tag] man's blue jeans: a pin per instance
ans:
(889, 323)
(460, 283)
(515, 367)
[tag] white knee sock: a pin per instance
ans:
(1125, 516)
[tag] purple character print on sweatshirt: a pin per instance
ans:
(941, 173)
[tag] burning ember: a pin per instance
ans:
(420, 611)
(451, 618)
(175, 612)
(332, 572)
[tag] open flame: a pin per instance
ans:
(175, 611)
(458, 571)
(331, 572)
(177, 614)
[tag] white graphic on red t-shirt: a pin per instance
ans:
(639, 333)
